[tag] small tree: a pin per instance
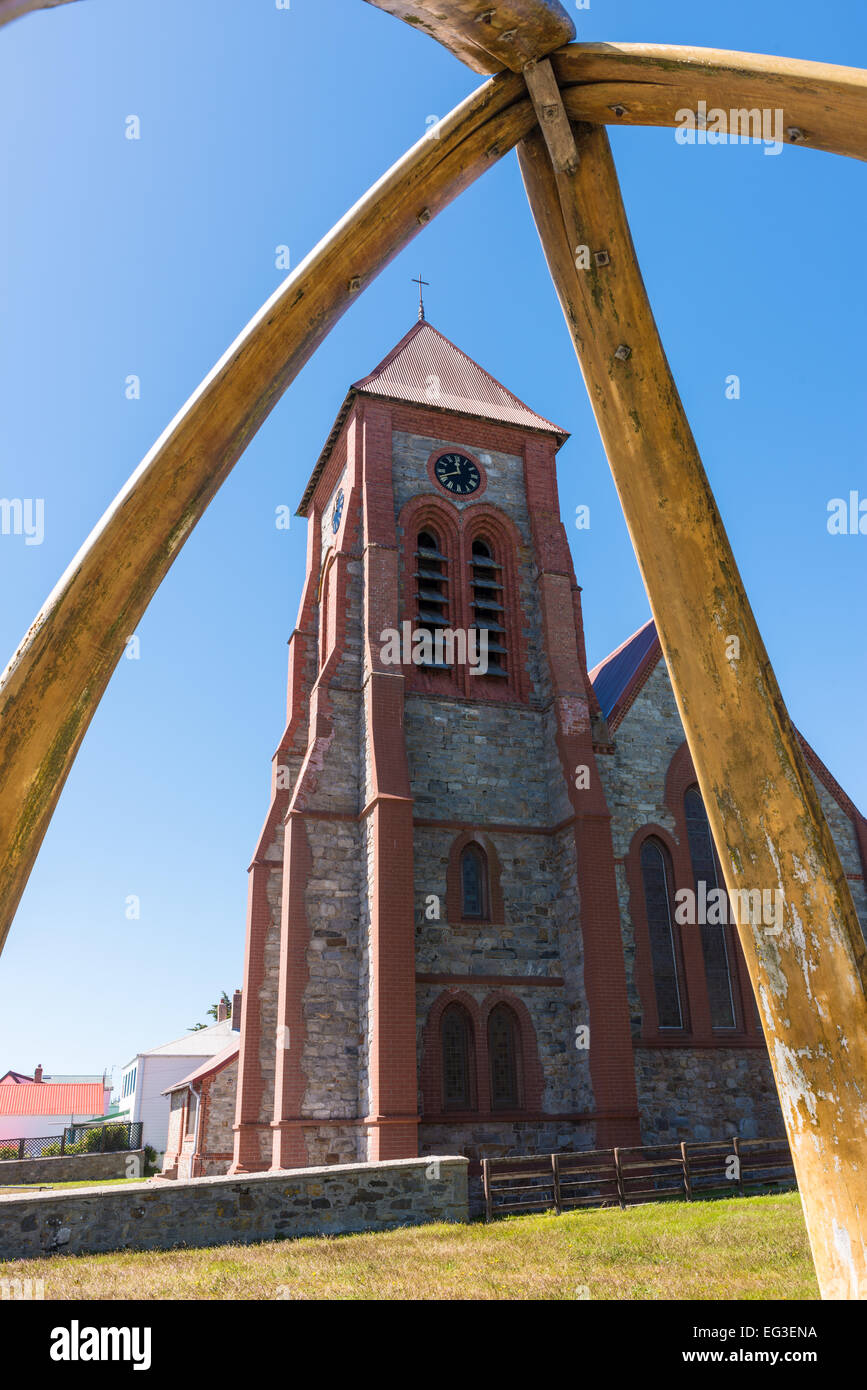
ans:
(213, 1011)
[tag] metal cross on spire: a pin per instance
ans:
(420, 282)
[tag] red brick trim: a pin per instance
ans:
(510, 981)
(454, 895)
(290, 1083)
(713, 1044)
(500, 436)
(392, 1042)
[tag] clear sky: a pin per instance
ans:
(259, 127)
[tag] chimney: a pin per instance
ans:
(37, 1075)
(236, 1011)
(222, 1011)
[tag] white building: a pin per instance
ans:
(144, 1079)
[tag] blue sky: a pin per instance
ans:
(259, 127)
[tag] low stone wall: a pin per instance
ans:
(87, 1167)
(222, 1211)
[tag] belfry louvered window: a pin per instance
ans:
(431, 580)
(486, 583)
(656, 874)
(713, 936)
(457, 1057)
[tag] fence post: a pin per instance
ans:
(102, 1141)
(487, 1181)
(555, 1167)
(737, 1148)
(684, 1157)
(621, 1191)
(21, 1148)
(63, 1141)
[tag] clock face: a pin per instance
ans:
(458, 474)
(337, 513)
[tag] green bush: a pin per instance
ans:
(91, 1140)
(8, 1152)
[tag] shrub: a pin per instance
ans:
(8, 1152)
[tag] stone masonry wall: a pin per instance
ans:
(224, 1211)
(708, 1093)
(218, 1128)
(78, 1168)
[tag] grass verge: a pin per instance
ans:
(744, 1248)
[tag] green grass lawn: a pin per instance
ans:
(746, 1248)
(9, 1191)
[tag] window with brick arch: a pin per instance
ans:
(657, 878)
(431, 579)
(487, 599)
(458, 1059)
(475, 896)
(713, 935)
(503, 1043)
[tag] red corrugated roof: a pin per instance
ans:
(427, 369)
(45, 1098)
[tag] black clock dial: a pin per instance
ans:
(458, 474)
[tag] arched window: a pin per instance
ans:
(488, 608)
(456, 1034)
(713, 936)
(474, 883)
(503, 1042)
(656, 876)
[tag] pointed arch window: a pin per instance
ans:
(713, 935)
(503, 1042)
(657, 878)
(487, 600)
(431, 590)
(458, 1059)
(475, 895)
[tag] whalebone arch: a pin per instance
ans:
(691, 577)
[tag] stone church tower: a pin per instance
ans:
(433, 958)
(463, 934)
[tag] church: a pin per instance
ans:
(465, 929)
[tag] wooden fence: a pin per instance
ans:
(627, 1176)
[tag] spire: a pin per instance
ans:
(420, 282)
